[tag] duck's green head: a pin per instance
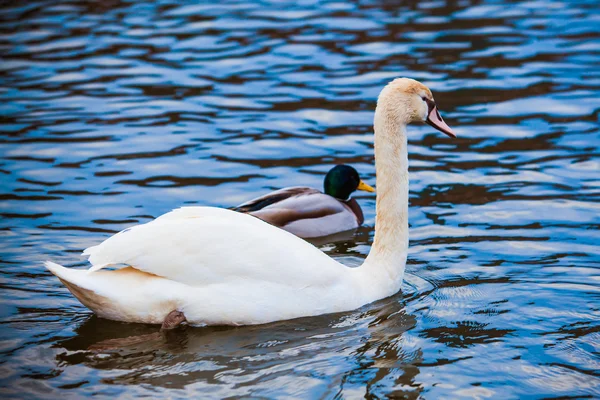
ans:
(342, 180)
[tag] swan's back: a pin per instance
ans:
(200, 246)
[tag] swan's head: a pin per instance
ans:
(405, 100)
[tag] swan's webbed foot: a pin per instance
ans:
(173, 320)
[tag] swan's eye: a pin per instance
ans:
(430, 103)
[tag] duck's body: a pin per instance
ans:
(309, 213)
(306, 212)
(219, 266)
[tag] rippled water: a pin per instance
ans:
(115, 112)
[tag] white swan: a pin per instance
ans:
(212, 266)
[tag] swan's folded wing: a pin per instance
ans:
(206, 245)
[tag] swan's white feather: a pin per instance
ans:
(199, 246)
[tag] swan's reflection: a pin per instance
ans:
(341, 348)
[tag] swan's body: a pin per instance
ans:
(309, 213)
(218, 266)
(201, 261)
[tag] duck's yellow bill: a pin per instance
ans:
(365, 187)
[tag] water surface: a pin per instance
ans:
(115, 112)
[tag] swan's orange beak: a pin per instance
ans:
(435, 119)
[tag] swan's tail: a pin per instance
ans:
(62, 273)
(123, 295)
(72, 278)
(80, 284)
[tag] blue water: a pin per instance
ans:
(115, 112)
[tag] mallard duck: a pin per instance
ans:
(212, 266)
(309, 213)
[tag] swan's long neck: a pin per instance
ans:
(387, 259)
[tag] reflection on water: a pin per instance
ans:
(301, 353)
(115, 112)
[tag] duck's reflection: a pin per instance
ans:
(338, 237)
(365, 345)
(345, 243)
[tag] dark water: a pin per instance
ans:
(116, 112)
